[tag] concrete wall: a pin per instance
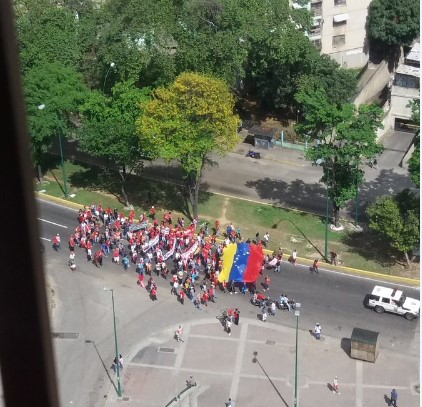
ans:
(387, 122)
(400, 98)
(376, 83)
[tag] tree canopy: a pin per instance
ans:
(61, 90)
(108, 128)
(397, 219)
(187, 121)
(345, 136)
(393, 22)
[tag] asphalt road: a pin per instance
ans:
(283, 177)
(82, 308)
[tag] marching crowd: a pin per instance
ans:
(186, 254)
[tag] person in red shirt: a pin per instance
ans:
(205, 298)
(141, 280)
(217, 226)
(315, 266)
(56, 242)
(267, 283)
(153, 293)
(182, 295)
(152, 212)
(211, 293)
(98, 258)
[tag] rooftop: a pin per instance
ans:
(414, 54)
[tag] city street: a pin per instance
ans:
(283, 177)
(82, 318)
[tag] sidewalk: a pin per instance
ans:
(224, 366)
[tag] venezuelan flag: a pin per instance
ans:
(241, 262)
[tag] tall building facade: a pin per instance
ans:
(339, 30)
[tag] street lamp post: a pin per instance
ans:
(297, 314)
(357, 195)
(119, 389)
(327, 203)
(112, 65)
(41, 107)
(320, 161)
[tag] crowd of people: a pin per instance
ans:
(188, 255)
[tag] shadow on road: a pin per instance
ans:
(346, 345)
(102, 362)
(255, 360)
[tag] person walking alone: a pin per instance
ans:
(294, 256)
(335, 385)
(393, 398)
(317, 331)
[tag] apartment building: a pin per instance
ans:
(405, 85)
(339, 30)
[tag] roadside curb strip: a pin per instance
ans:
(341, 269)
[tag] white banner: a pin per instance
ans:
(190, 251)
(151, 243)
(170, 252)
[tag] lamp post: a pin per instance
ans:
(297, 314)
(119, 389)
(327, 203)
(357, 195)
(320, 161)
(112, 65)
(41, 107)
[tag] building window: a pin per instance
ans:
(316, 9)
(340, 19)
(339, 40)
(317, 44)
(339, 2)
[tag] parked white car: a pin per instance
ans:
(384, 299)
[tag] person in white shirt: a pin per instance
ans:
(317, 331)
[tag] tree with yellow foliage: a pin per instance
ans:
(187, 121)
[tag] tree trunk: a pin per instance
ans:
(40, 177)
(123, 177)
(193, 182)
(336, 216)
(406, 255)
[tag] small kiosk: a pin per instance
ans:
(263, 137)
(364, 345)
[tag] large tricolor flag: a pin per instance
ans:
(241, 262)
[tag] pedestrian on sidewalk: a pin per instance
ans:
(393, 398)
(236, 316)
(229, 403)
(317, 331)
(335, 385)
(178, 334)
(228, 326)
(182, 296)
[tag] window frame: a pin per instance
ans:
(335, 45)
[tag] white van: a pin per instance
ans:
(392, 300)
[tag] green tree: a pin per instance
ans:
(414, 161)
(280, 64)
(186, 122)
(108, 128)
(61, 90)
(345, 137)
(46, 34)
(397, 219)
(394, 23)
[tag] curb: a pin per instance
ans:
(359, 272)
(341, 269)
